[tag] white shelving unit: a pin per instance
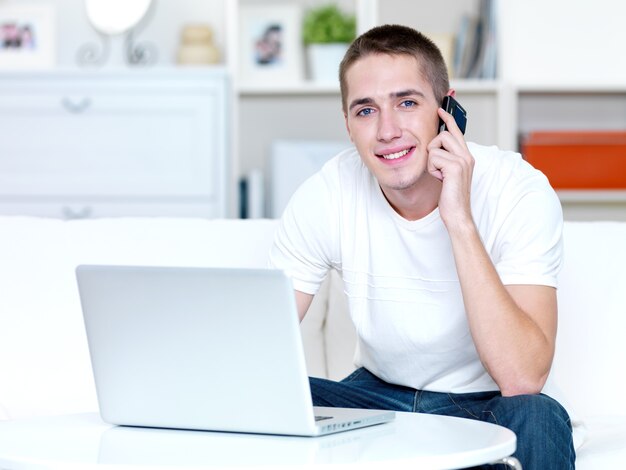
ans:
(568, 72)
(576, 106)
(540, 89)
(277, 111)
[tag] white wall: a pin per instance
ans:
(562, 42)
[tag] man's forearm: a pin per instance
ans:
(515, 342)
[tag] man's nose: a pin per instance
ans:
(388, 126)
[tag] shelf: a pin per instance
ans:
(476, 85)
(592, 195)
(311, 88)
(600, 87)
(303, 88)
(150, 72)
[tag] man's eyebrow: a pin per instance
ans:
(395, 94)
(360, 101)
(409, 92)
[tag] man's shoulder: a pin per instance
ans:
(504, 184)
(347, 160)
(488, 155)
(343, 168)
(503, 178)
(494, 165)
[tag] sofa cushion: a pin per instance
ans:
(605, 444)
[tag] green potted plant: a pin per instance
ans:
(327, 31)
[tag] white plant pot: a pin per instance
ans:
(324, 60)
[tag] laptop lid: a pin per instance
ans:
(198, 348)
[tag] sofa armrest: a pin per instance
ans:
(4, 414)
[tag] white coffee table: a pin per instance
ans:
(412, 441)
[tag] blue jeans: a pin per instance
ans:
(542, 426)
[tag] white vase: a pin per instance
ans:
(324, 60)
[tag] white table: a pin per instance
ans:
(412, 441)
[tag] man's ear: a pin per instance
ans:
(451, 92)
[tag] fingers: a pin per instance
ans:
(442, 163)
(450, 161)
(446, 142)
(447, 152)
(452, 139)
(450, 122)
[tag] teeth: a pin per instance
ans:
(393, 156)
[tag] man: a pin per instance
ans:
(449, 253)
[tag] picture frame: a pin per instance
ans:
(270, 44)
(27, 36)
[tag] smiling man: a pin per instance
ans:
(449, 253)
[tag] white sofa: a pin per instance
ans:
(44, 362)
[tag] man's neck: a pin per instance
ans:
(416, 202)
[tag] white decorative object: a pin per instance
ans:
(116, 16)
(324, 60)
(197, 46)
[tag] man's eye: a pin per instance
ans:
(408, 103)
(365, 112)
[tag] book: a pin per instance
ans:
(469, 41)
(476, 45)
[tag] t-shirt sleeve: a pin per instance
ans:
(304, 239)
(530, 239)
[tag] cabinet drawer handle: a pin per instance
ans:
(76, 107)
(69, 213)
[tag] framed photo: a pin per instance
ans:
(27, 36)
(270, 44)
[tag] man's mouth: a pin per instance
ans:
(395, 155)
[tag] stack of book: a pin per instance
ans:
(579, 159)
(476, 44)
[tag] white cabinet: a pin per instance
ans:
(128, 142)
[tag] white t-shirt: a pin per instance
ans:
(399, 275)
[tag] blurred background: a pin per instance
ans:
(220, 108)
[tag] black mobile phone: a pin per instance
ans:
(453, 107)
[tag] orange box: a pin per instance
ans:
(579, 159)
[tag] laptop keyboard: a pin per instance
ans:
(322, 418)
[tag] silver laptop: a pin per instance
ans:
(203, 348)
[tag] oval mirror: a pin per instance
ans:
(116, 16)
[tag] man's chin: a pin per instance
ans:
(401, 185)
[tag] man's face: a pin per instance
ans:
(391, 118)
